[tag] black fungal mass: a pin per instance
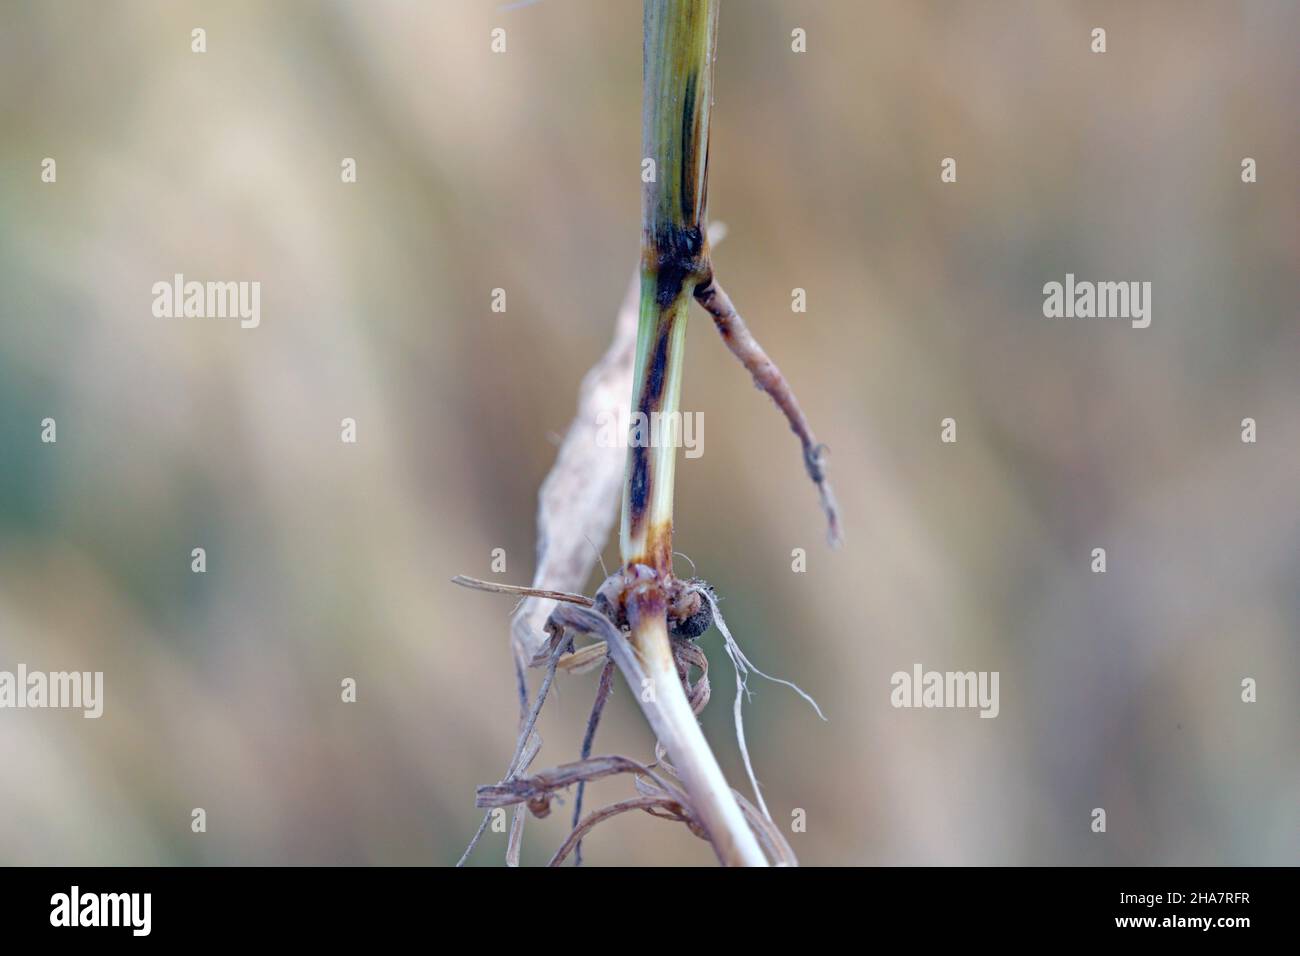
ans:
(692, 627)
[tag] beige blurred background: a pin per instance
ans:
(520, 171)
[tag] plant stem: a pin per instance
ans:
(678, 92)
(680, 36)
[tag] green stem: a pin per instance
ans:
(678, 93)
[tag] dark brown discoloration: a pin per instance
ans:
(657, 368)
(651, 399)
(689, 615)
(658, 551)
(688, 611)
(644, 601)
(638, 489)
(678, 254)
(675, 256)
(686, 187)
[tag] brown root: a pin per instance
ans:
(769, 379)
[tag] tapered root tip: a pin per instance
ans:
(813, 461)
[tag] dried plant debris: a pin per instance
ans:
(692, 607)
(643, 619)
(769, 379)
(743, 666)
(578, 502)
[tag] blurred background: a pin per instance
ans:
(521, 171)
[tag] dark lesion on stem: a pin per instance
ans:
(639, 485)
(675, 253)
(676, 257)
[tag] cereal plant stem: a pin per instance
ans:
(680, 36)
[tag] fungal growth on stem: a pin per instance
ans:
(644, 620)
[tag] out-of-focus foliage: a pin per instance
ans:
(521, 171)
